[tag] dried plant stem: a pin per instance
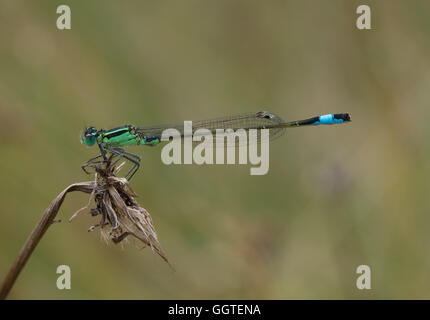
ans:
(121, 216)
(37, 234)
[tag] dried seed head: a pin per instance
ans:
(121, 215)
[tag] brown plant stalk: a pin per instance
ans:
(121, 217)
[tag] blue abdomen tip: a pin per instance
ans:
(328, 119)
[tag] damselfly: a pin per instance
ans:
(114, 140)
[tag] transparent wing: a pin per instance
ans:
(239, 124)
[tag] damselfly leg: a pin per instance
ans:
(133, 158)
(117, 153)
(92, 163)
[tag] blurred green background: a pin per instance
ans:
(334, 198)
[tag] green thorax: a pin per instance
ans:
(122, 137)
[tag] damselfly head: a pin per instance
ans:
(89, 137)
